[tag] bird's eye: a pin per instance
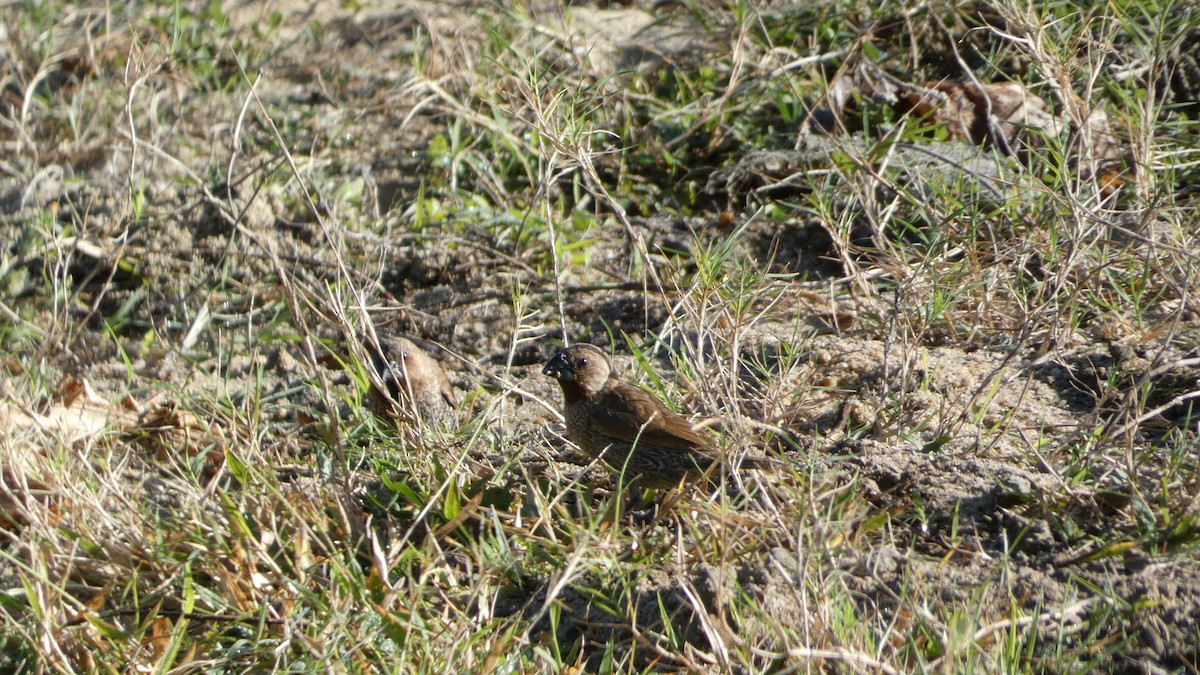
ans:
(583, 363)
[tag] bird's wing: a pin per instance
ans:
(627, 413)
(438, 379)
(426, 373)
(447, 391)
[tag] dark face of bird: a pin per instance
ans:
(581, 369)
(391, 362)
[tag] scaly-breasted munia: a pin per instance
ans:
(631, 430)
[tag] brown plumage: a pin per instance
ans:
(415, 382)
(631, 430)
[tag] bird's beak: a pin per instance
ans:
(558, 368)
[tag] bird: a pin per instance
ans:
(414, 382)
(628, 428)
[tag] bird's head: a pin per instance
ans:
(580, 369)
(396, 364)
(408, 371)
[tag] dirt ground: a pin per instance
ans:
(973, 448)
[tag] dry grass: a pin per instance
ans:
(977, 367)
